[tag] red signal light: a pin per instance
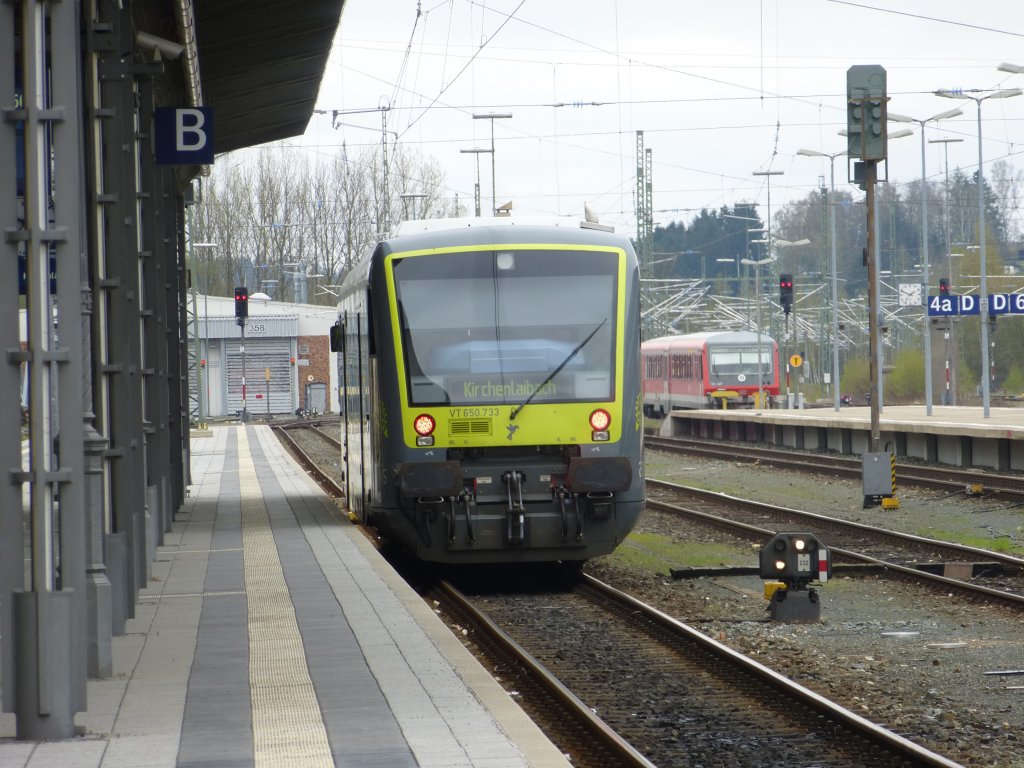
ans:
(786, 291)
(241, 302)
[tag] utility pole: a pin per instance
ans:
(476, 187)
(868, 141)
(492, 116)
(644, 218)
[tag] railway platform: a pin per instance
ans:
(957, 435)
(273, 634)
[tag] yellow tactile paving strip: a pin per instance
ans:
(288, 729)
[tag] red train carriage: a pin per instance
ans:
(718, 369)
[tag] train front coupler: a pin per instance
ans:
(466, 501)
(515, 510)
(564, 498)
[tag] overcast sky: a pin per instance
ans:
(720, 90)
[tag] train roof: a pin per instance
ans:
(442, 233)
(713, 337)
(432, 233)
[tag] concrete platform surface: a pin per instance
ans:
(273, 634)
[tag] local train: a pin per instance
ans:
(708, 370)
(489, 374)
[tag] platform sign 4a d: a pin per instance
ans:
(970, 304)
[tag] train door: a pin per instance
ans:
(354, 414)
(339, 345)
(213, 379)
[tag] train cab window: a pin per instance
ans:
(488, 327)
(732, 361)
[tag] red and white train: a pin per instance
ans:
(718, 369)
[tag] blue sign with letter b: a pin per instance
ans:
(183, 136)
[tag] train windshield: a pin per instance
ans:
(490, 327)
(732, 361)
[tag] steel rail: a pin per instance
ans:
(945, 478)
(322, 479)
(830, 709)
(766, 533)
(599, 730)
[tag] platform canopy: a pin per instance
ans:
(259, 62)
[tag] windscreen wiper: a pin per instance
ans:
(561, 365)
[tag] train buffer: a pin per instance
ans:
(724, 396)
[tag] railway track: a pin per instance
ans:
(663, 692)
(920, 731)
(324, 476)
(899, 553)
(944, 478)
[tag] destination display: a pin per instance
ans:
(969, 304)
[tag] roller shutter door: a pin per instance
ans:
(260, 355)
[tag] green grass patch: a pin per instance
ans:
(1001, 544)
(657, 553)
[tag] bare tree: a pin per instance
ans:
(277, 215)
(1006, 182)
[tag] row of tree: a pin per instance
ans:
(281, 218)
(713, 244)
(277, 218)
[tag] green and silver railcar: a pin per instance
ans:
(491, 390)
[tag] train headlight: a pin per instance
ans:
(599, 422)
(424, 425)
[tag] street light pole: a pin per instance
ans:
(949, 394)
(406, 197)
(925, 325)
(985, 374)
(492, 116)
(756, 263)
(833, 261)
(768, 237)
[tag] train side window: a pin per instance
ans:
(371, 344)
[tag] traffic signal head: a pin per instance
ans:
(796, 559)
(944, 287)
(786, 292)
(866, 112)
(241, 302)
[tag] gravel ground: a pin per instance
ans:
(900, 655)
